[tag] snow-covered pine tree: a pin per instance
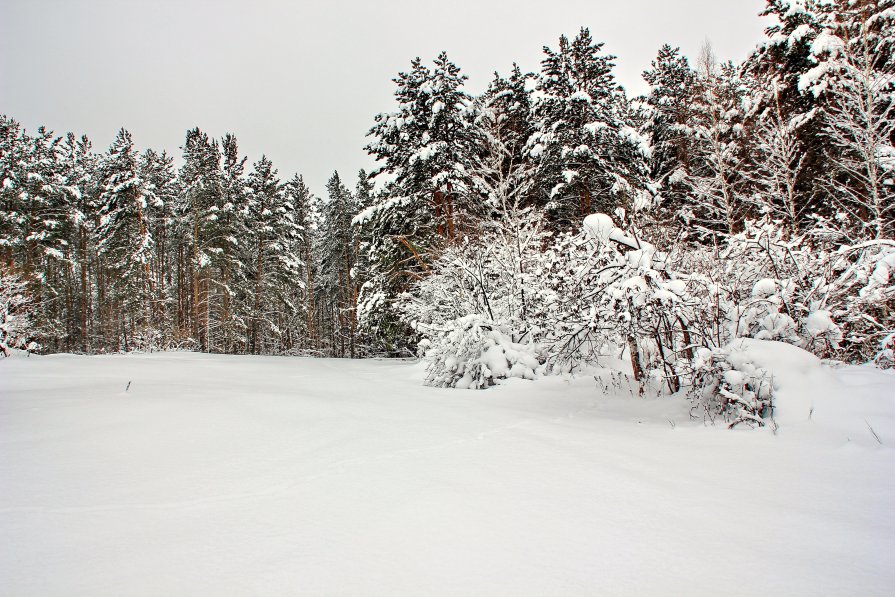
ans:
(125, 244)
(364, 198)
(228, 233)
(304, 203)
(716, 204)
(502, 170)
(855, 75)
(162, 192)
(668, 127)
(81, 185)
(338, 290)
(776, 66)
(48, 230)
(12, 182)
(425, 147)
(590, 156)
(274, 252)
(200, 180)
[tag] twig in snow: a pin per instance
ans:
(873, 432)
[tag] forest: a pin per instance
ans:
(536, 228)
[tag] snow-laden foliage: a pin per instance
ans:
(498, 276)
(885, 358)
(727, 385)
(587, 150)
(675, 315)
(474, 352)
(16, 326)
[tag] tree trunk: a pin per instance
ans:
(259, 271)
(635, 359)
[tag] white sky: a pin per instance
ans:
(301, 81)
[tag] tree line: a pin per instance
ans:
(121, 250)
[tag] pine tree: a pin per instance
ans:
(590, 156)
(337, 261)
(426, 147)
(303, 202)
(47, 230)
(229, 232)
(274, 250)
(81, 184)
(778, 65)
(12, 182)
(855, 75)
(200, 179)
(502, 170)
(162, 193)
(125, 244)
(670, 117)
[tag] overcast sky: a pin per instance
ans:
(301, 81)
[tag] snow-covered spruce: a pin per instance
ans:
(474, 353)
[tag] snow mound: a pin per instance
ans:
(798, 377)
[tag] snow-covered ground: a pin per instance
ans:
(217, 475)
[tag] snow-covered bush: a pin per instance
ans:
(473, 353)
(148, 339)
(728, 385)
(885, 358)
(858, 289)
(16, 330)
(497, 276)
(672, 312)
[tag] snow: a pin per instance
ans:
(594, 127)
(765, 287)
(222, 475)
(639, 141)
(600, 226)
(820, 322)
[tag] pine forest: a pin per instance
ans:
(532, 229)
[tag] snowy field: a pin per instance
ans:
(222, 475)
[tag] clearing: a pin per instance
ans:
(225, 475)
